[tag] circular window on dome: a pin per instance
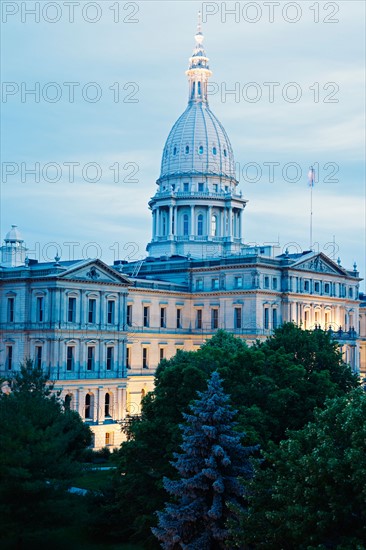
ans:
(174, 151)
(214, 151)
(225, 153)
(200, 149)
(187, 149)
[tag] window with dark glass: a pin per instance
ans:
(107, 405)
(266, 282)
(214, 318)
(128, 358)
(266, 318)
(39, 309)
(161, 354)
(199, 284)
(110, 351)
(163, 317)
(91, 310)
(91, 356)
(185, 225)
(200, 225)
(201, 187)
(69, 358)
(145, 358)
(215, 283)
(179, 318)
(68, 399)
(317, 287)
(237, 317)
(307, 286)
(199, 318)
(88, 406)
(110, 312)
(274, 318)
(274, 283)
(38, 358)
(9, 357)
(129, 315)
(146, 316)
(71, 310)
(11, 310)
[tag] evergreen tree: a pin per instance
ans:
(212, 461)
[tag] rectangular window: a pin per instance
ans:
(110, 353)
(162, 317)
(238, 282)
(38, 358)
(317, 287)
(145, 359)
(266, 318)
(214, 318)
(179, 318)
(91, 356)
(128, 358)
(200, 187)
(215, 283)
(162, 353)
(326, 320)
(11, 310)
(70, 358)
(237, 317)
(306, 319)
(40, 309)
(146, 316)
(350, 292)
(266, 282)
(108, 439)
(199, 318)
(91, 310)
(274, 284)
(326, 288)
(199, 284)
(71, 310)
(129, 315)
(215, 187)
(274, 318)
(186, 187)
(307, 286)
(110, 312)
(9, 357)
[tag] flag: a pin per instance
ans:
(311, 176)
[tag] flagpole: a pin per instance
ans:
(311, 177)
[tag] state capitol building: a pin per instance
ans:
(102, 330)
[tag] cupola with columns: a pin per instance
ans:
(197, 209)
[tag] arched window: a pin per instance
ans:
(88, 410)
(164, 224)
(214, 225)
(174, 151)
(200, 225)
(185, 224)
(199, 88)
(107, 403)
(200, 149)
(187, 149)
(214, 150)
(225, 153)
(68, 399)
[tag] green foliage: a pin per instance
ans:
(314, 493)
(41, 443)
(275, 386)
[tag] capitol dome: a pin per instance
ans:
(198, 144)
(13, 235)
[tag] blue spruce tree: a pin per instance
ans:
(208, 489)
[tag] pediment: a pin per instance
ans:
(319, 263)
(94, 271)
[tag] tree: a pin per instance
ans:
(273, 387)
(314, 495)
(212, 460)
(41, 443)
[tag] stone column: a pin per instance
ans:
(192, 232)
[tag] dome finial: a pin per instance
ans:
(199, 35)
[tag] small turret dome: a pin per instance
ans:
(13, 235)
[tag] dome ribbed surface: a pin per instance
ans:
(198, 144)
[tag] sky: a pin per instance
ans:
(80, 155)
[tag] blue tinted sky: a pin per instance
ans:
(146, 51)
